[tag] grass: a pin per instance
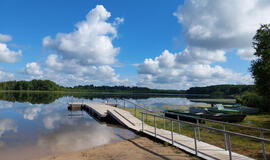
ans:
(241, 145)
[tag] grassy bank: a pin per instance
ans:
(239, 145)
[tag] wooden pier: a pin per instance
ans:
(199, 148)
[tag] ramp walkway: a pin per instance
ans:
(191, 145)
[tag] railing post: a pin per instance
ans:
(135, 110)
(229, 146)
(195, 141)
(155, 126)
(142, 122)
(199, 136)
(179, 127)
(172, 130)
(164, 125)
(263, 148)
(225, 140)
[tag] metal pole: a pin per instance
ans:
(135, 110)
(199, 136)
(155, 126)
(229, 145)
(179, 127)
(225, 140)
(142, 122)
(124, 104)
(195, 141)
(164, 122)
(263, 149)
(172, 130)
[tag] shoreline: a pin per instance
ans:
(138, 148)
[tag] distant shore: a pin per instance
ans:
(139, 148)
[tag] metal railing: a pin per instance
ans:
(197, 127)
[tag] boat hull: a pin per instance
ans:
(225, 117)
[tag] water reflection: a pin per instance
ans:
(86, 135)
(31, 112)
(5, 104)
(29, 130)
(6, 125)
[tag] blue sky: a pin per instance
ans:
(158, 44)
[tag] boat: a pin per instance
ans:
(225, 117)
(182, 115)
(236, 108)
(244, 109)
(219, 108)
(200, 112)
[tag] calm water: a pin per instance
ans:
(32, 129)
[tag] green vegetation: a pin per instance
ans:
(46, 97)
(220, 89)
(37, 85)
(47, 85)
(260, 68)
(244, 94)
(125, 89)
(251, 99)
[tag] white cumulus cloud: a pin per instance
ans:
(7, 55)
(91, 42)
(5, 38)
(175, 72)
(85, 55)
(223, 25)
(4, 76)
(33, 68)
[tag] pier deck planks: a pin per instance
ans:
(205, 150)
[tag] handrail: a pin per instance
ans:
(220, 122)
(138, 105)
(197, 126)
(227, 134)
(211, 128)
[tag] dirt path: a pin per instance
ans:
(140, 148)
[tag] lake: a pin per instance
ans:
(34, 125)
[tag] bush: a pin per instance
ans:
(251, 99)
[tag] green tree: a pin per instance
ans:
(260, 68)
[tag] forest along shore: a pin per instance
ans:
(139, 148)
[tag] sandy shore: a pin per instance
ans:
(140, 148)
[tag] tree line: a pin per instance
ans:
(47, 85)
(226, 89)
(35, 85)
